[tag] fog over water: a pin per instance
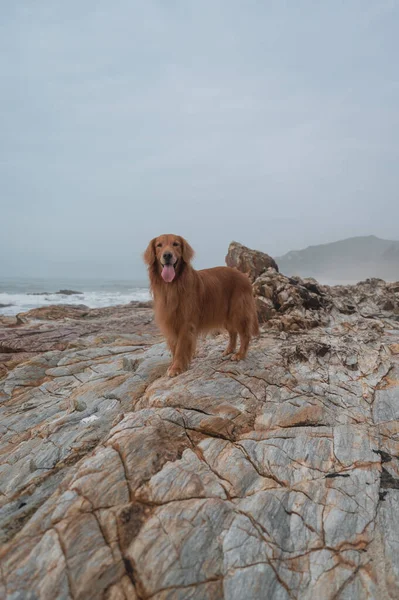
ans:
(274, 124)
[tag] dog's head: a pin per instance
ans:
(168, 254)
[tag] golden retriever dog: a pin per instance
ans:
(188, 302)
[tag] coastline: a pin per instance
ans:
(20, 295)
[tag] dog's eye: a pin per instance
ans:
(176, 244)
(159, 245)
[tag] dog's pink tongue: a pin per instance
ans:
(168, 273)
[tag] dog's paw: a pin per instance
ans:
(237, 356)
(227, 352)
(174, 370)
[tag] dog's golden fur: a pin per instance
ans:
(198, 301)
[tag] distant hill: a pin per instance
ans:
(352, 259)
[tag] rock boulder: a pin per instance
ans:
(251, 262)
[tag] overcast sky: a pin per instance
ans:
(272, 123)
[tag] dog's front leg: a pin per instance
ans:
(184, 350)
(172, 343)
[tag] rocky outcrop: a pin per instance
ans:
(63, 326)
(251, 262)
(141, 304)
(276, 477)
(57, 311)
(292, 304)
(65, 292)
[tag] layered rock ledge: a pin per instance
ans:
(276, 477)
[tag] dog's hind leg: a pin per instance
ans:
(232, 343)
(245, 338)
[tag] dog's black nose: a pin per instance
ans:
(167, 256)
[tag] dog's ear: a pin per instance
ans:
(149, 255)
(187, 251)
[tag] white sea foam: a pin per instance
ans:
(21, 302)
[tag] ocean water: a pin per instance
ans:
(22, 294)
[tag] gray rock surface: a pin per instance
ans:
(276, 477)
